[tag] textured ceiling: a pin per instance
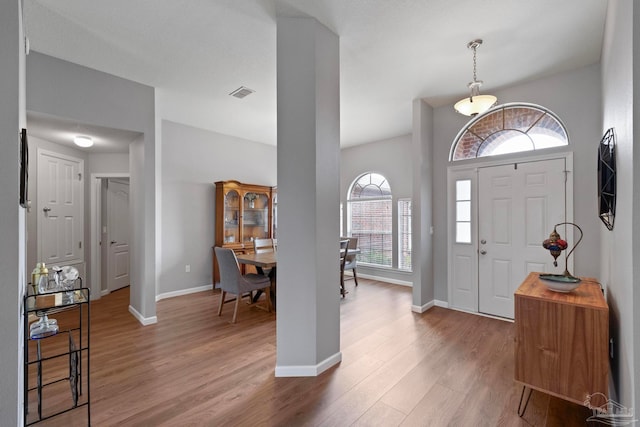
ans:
(391, 51)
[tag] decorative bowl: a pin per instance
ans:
(560, 282)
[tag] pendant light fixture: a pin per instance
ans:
(475, 103)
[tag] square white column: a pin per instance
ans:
(308, 319)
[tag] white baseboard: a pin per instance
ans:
(439, 303)
(104, 292)
(308, 370)
(430, 304)
(172, 294)
(383, 279)
(477, 313)
(422, 308)
(144, 320)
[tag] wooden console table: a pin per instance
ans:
(561, 340)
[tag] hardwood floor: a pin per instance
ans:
(194, 368)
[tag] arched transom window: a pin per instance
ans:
(509, 128)
(370, 218)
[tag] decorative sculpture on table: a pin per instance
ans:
(555, 245)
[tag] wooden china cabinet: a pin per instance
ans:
(244, 212)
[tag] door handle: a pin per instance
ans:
(113, 241)
(45, 210)
(483, 252)
(484, 242)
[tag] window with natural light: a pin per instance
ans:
(404, 234)
(463, 211)
(509, 128)
(369, 210)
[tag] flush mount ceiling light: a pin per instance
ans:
(83, 141)
(475, 103)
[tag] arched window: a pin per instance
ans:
(369, 207)
(509, 128)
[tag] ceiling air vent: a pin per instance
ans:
(241, 92)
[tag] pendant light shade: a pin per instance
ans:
(475, 103)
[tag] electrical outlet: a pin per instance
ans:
(187, 268)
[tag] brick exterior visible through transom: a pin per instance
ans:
(502, 124)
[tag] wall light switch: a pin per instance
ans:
(187, 268)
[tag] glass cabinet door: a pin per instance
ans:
(232, 217)
(255, 220)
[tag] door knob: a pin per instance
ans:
(484, 242)
(45, 210)
(483, 252)
(113, 241)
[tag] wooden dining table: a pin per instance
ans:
(263, 260)
(269, 260)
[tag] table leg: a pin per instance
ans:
(522, 409)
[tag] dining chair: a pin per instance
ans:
(350, 263)
(344, 245)
(262, 246)
(234, 282)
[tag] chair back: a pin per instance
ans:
(261, 246)
(230, 276)
(351, 259)
(344, 244)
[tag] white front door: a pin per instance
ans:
(60, 209)
(117, 234)
(518, 205)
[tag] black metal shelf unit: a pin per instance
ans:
(46, 357)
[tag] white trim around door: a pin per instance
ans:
(96, 231)
(463, 258)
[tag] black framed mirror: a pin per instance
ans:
(607, 178)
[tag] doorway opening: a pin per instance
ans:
(110, 229)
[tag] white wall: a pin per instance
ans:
(70, 91)
(620, 245)
(192, 160)
(107, 163)
(575, 97)
(12, 226)
(391, 158)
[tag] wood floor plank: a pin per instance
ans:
(380, 415)
(436, 408)
(194, 368)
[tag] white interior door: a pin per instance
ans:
(60, 209)
(117, 234)
(518, 205)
